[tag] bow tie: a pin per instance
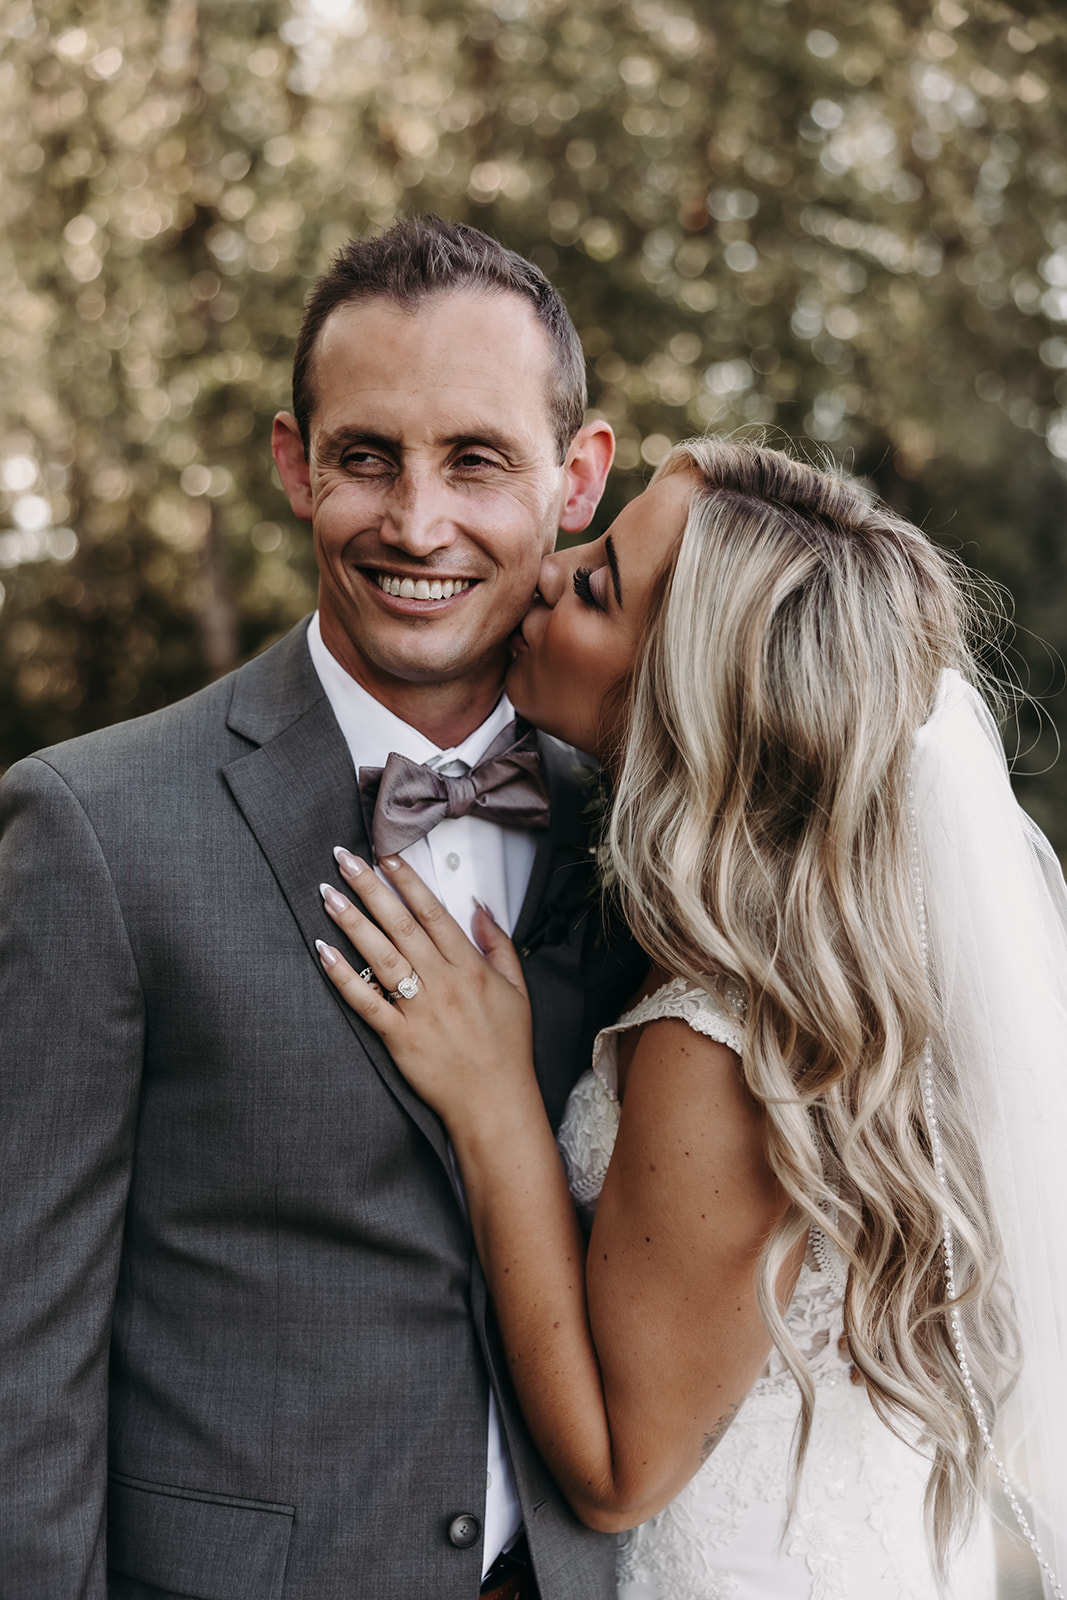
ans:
(407, 799)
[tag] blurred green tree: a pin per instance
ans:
(840, 222)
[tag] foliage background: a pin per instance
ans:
(844, 221)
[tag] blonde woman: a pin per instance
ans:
(824, 1150)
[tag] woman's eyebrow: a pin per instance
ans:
(613, 563)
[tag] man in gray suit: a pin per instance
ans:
(245, 1352)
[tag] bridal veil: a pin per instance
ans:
(994, 903)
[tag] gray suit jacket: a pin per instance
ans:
(244, 1343)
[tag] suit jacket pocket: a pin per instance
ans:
(208, 1546)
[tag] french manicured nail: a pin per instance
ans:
(327, 956)
(390, 863)
(347, 861)
(335, 901)
(483, 907)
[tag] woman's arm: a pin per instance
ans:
(630, 1364)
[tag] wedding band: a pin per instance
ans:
(367, 975)
(407, 988)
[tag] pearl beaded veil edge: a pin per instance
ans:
(993, 915)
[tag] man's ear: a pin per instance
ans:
(287, 448)
(586, 468)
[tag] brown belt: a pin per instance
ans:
(511, 1575)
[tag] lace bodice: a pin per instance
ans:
(857, 1530)
(591, 1121)
(587, 1138)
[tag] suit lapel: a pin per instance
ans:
(561, 844)
(298, 795)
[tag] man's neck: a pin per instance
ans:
(446, 720)
(445, 713)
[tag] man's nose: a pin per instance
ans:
(416, 517)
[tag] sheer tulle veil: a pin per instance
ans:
(994, 903)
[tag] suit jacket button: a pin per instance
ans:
(464, 1530)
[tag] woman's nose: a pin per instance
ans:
(553, 577)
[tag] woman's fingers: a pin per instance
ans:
(497, 947)
(388, 962)
(415, 934)
(394, 941)
(362, 995)
(467, 1019)
(419, 911)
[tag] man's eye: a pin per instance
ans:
(363, 461)
(472, 460)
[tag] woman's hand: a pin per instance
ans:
(463, 1040)
(626, 1387)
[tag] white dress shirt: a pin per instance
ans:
(460, 859)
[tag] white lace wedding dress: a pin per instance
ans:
(857, 1531)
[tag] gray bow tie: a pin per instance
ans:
(406, 799)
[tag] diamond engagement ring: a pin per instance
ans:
(407, 988)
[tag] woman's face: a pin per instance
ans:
(586, 624)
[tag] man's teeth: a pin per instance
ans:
(420, 589)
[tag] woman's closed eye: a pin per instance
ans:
(583, 588)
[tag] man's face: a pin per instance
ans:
(433, 486)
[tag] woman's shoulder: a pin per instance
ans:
(715, 1012)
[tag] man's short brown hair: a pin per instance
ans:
(420, 256)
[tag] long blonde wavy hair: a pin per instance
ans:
(761, 836)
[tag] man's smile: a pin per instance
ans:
(408, 588)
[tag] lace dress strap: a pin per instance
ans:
(717, 1016)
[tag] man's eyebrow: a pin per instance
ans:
(613, 563)
(487, 437)
(333, 443)
(490, 437)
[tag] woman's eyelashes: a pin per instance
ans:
(583, 588)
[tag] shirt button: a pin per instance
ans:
(452, 861)
(464, 1530)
